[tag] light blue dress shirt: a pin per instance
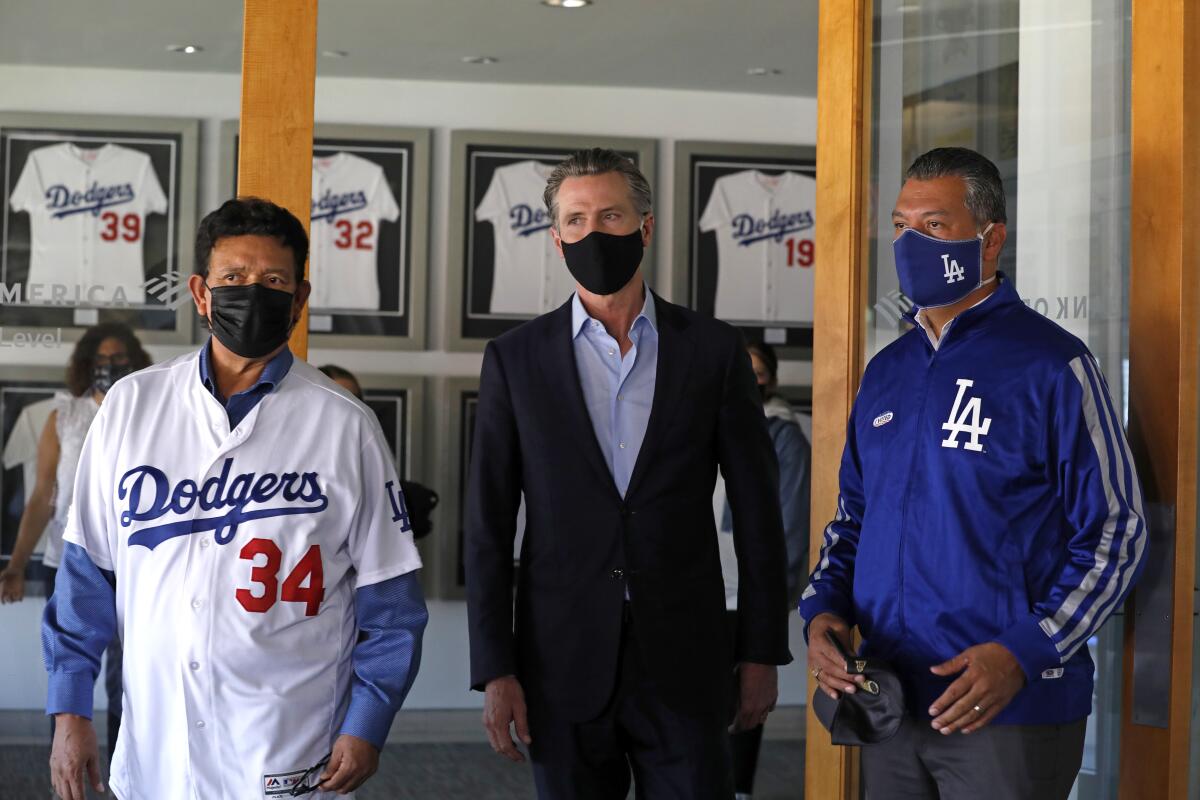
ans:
(618, 390)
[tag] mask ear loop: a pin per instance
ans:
(983, 243)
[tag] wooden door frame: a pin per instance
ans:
(279, 70)
(1164, 363)
(1164, 336)
(839, 328)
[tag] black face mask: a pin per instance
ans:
(602, 262)
(105, 375)
(250, 320)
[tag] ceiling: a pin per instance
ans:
(704, 45)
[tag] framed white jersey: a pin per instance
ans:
(26, 400)
(504, 268)
(529, 276)
(368, 234)
(88, 210)
(745, 238)
(97, 222)
(764, 227)
(350, 197)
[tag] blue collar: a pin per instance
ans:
(579, 315)
(274, 372)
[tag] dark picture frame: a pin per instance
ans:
(744, 233)
(97, 220)
(369, 232)
(502, 270)
(21, 388)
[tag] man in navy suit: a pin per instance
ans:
(611, 415)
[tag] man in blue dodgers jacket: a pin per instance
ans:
(237, 522)
(990, 518)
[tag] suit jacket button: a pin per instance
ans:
(618, 574)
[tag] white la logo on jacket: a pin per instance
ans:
(966, 419)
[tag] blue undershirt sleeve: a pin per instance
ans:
(391, 618)
(79, 623)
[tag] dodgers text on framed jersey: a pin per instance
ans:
(97, 217)
(368, 239)
(745, 237)
(503, 266)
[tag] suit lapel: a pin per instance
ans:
(674, 360)
(561, 375)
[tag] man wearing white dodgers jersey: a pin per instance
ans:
(237, 521)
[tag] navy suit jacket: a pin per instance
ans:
(583, 543)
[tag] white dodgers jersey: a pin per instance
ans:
(529, 276)
(350, 195)
(237, 554)
(87, 215)
(765, 241)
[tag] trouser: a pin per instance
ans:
(999, 762)
(112, 679)
(670, 754)
(743, 747)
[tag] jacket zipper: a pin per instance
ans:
(909, 486)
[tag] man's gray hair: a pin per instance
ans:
(598, 161)
(985, 190)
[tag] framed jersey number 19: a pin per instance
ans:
(308, 571)
(799, 252)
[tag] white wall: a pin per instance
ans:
(442, 106)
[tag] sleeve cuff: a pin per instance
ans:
(817, 603)
(1033, 649)
(70, 693)
(368, 719)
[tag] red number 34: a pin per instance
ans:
(294, 591)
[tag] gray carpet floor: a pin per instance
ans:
(430, 772)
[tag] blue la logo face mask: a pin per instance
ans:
(938, 272)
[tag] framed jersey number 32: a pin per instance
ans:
(304, 584)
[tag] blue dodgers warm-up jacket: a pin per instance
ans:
(987, 494)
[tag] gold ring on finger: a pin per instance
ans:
(978, 710)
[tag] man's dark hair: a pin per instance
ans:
(985, 190)
(768, 356)
(598, 161)
(83, 357)
(251, 216)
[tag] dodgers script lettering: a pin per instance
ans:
(149, 495)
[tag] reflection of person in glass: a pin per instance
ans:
(990, 517)
(102, 356)
(786, 428)
(612, 415)
(237, 523)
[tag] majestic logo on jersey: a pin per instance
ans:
(748, 229)
(148, 495)
(526, 220)
(966, 419)
(281, 784)
(883, 419)
(330, 206)
(954, 273)
(64, 202)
